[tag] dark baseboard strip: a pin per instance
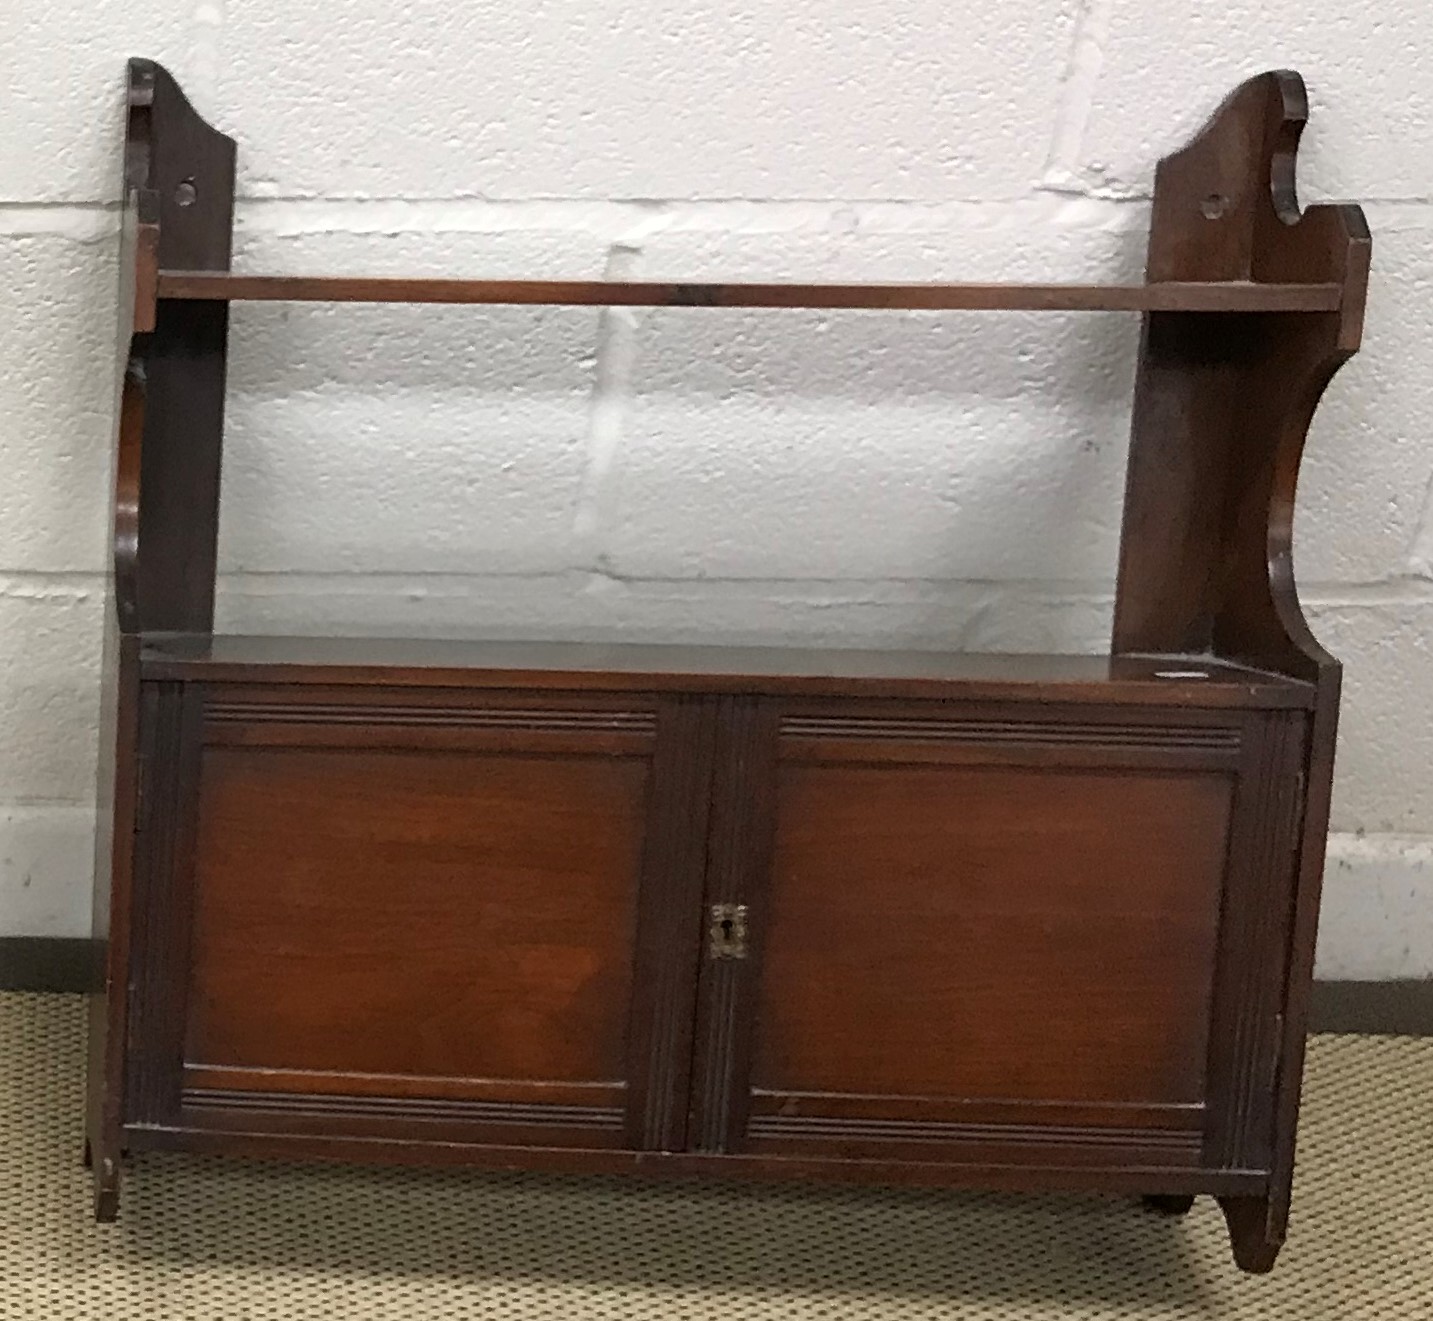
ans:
(49, 963)
(1402, 1008)
(38, 963)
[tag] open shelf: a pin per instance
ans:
(1157, 680)
(1168, 296)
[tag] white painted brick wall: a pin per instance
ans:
(852, 479)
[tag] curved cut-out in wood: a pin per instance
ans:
(1222, 408)
(1168, 1204)
(139, 280)
(179, 202)
(188, 165)
(1256, 1232)
(1221, 414)
(178, 193)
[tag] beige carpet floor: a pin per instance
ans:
(202, 1237)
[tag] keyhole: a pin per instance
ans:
(726, 938)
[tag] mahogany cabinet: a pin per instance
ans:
(991, 921)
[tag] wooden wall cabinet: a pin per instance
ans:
(995, 921)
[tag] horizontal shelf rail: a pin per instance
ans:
(1170, 296)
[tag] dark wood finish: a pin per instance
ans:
(991, 921)
(167, 794)
(669, 925)
(1083, 983)
(179, 185)
(438, 926)
(417, 1149)
(739, 847)
(115, 819)
(1167, 296)
(1222, 407)
(396, 932)
(1249, 989)
(1206, 561)
(1168, 1205)
(1397, 1007)
(960, 945)
(1253, 1232)
(178, 191)
(1174, 681)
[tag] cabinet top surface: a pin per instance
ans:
(1143, 680)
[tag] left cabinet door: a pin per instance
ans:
(418, 916)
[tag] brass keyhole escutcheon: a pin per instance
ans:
(726, 933)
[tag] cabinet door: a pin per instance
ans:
(993, 937)
(421, 915)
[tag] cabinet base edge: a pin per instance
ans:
(1126, 1180)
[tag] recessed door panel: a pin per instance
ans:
(444, 916)
(990, 935)
(415, 913)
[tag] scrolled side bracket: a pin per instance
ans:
(1223, 403)
(1221, 412)
(178, 193)
(178, 212)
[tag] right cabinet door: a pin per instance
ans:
(984, 936)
